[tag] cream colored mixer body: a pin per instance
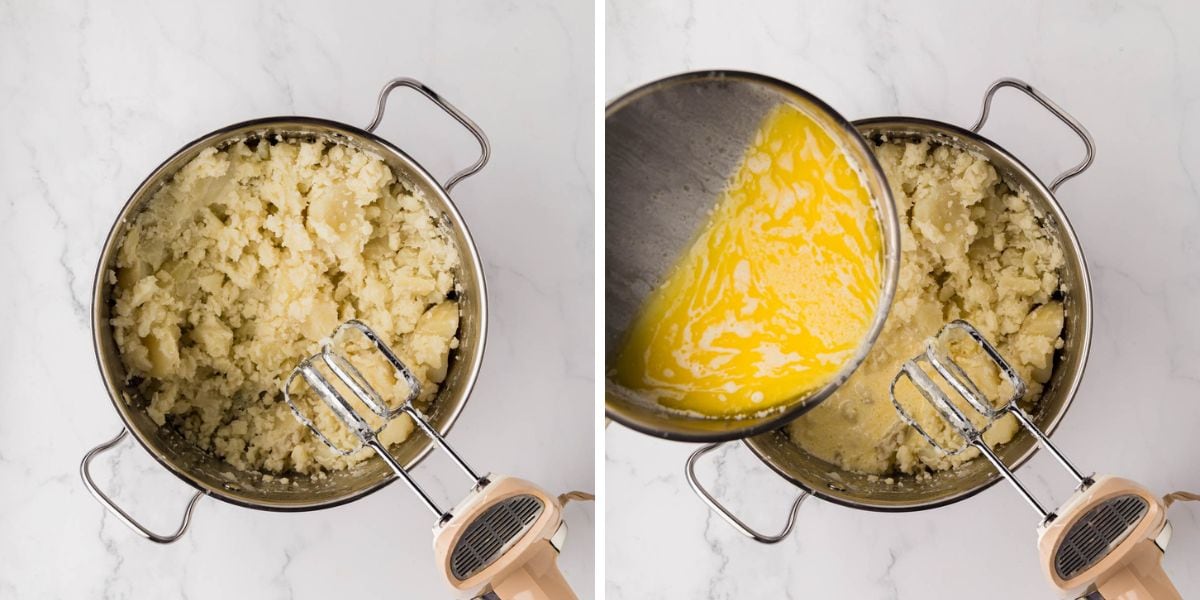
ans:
(1109, 537)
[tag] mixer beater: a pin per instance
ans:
(1107, 538)
(502, 540)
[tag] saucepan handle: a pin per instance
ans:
(484, 147)
(117, 511)
(1056, 110)
(724, 513)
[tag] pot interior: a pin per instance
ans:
(213, 475)
(833, 483)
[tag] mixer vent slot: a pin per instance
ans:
(1094, 535)
(492, 534)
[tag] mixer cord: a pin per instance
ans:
(563, 499)
(1170, 499)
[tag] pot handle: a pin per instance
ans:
(724, 513)
(85, 472)
(484, 147)
(1088, 143)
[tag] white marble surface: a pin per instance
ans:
(1130, 71)
(94, 95)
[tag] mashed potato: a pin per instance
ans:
(245, 261)
(971, 249)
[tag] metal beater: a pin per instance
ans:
(1107, 538)
(502, 540)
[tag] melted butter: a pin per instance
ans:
(776, 292)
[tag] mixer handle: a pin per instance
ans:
(1141, 576)
(724, 513)
(117, 511)
(538, 578)
(484, 147)
(1088, 143)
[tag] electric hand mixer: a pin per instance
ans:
(1108, 537)
(502, 539)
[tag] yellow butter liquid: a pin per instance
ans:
(776, 292)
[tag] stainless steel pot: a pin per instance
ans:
(824, 480)
(209, 474)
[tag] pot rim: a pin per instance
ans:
(353, 133)
(896, 124)
(885, 206)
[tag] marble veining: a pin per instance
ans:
(1128, 71)
(94, 95)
